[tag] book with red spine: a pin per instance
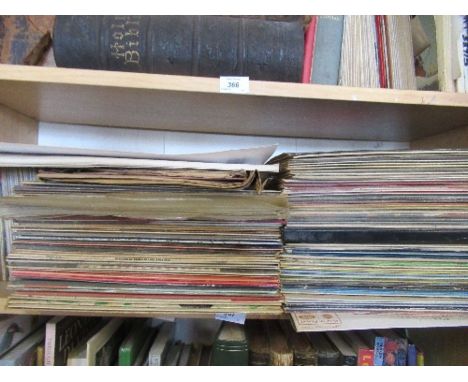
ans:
(309, 47)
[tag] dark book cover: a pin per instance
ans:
(327, 353)
(304, 353)
(280, 352)
(230, 347)
(259, 344)
(63, 334)
(207, 46)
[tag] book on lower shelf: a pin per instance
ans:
(102, 347)
(390, 349)
(24, 353)
(137, 339)
(63, 334)
(160, 346)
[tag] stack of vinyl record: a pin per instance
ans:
(143, 240)
(375, 230)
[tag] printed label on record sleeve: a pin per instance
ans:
(317, 321)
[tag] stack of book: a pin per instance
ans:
(142, 235)
(375, 230)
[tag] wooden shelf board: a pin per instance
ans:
(184, 103)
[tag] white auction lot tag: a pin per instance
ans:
(233, 84)
(237, 318)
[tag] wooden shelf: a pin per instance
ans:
(183, 103)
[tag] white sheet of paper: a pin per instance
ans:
(69, 161)
(254, 155)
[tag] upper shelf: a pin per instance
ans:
(184, 103)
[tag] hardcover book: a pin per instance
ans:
(280, 352)
(304, 353)
(24, 353)
(195, 354)
(185, 355)
(14, 328)
(160, 346)
(230, 347)
(132, 344)
(101, 346)
(327, 353)
(362, 343)
(62, 334)
(173, 354)
(327, 52)
(390, 349)
(348, 355)
(142, 356)
(259, 344)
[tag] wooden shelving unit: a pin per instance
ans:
(177, 103)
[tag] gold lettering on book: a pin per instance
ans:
(132, 56)
(125, 39)
(117, 50)
(118, 35)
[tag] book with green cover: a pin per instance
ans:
(230, 347)
(131, 346)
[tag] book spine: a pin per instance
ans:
(125, 356)
(309, 47)
(412, 355)
(3, 251)
(182, 45)
(379, 351)
(327, 52)
(419, 358)
(40, 355)
(465, 51)
(154, 360)
(380, 27)
(365, 357)
(49, 346)
(400, 351)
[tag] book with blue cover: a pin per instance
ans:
(390, 349)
